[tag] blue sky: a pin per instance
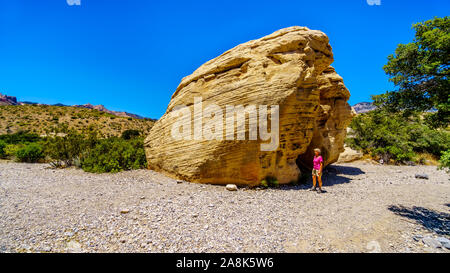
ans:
(131, 55)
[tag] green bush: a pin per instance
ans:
(67, 147)
(2, 148)
(444, 162)
(88, 150)
(11, 149)
(269, 182)
(30, 153)
(114, 155)
(20, 137)
(130, 133)
(396, 137)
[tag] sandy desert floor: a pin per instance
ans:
(366, 208)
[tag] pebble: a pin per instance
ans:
(431, 242)
(47, 249)
(196, 218)
(231, 187)
(422, 176)
(73, 247)
(444, 242)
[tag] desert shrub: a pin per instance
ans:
(396, 137)
(30, 153)
(66, 147)
(130, 133)
(2, 148)
(11, 143)
(269, 181)
(444, 162)
(11, 149)
(64, 150)
(114, 155)
(20, 137)
(87, 149)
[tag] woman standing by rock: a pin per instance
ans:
(317, 169)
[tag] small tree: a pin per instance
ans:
(444, 162)
(420, 71)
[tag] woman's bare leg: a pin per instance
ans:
(320, 181)
(314, 181)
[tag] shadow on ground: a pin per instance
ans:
(336, 174)
(332, 175)
(435, 221)
(345, 170)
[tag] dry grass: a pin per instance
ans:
(43, 118)
(428, 159)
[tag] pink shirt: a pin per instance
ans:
(316, 162)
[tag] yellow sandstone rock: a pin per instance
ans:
(349, 155)
(289, 68)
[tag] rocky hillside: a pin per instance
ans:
(41, 118)
(103, 109)
(10, 100)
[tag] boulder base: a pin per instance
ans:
(349, 155)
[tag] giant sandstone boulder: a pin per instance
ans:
(290, 68)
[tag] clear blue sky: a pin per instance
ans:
(131, 55)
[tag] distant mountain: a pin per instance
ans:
(60, 104)
(103, 109)
(10, 100)
(7, 100)
(364, 107)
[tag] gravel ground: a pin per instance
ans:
(366, 208)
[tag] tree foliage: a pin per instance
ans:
(114, 155)
(394, 136)
(420, 72)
